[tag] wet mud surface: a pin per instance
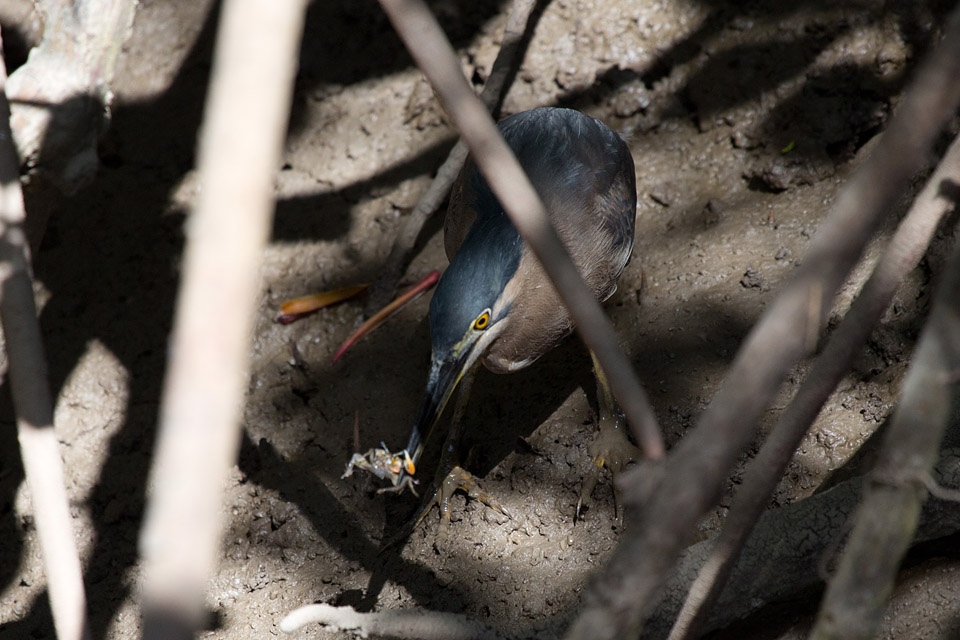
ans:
(744, 120)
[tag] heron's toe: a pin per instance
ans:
(611, 449)
(460, 479)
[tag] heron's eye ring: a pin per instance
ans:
(482, 321)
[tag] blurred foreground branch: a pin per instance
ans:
(666, 517)
(39, 447)
(239, 153)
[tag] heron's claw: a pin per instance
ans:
(439, 494)
(458, 478)
(613, 450)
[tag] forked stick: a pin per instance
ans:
(245, 122)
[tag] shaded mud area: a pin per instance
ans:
(744, 120)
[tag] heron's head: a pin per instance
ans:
(470, 308)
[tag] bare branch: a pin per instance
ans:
(31, 397)
(421, 625)
(627, 591)
(887, 518)
(492, 95)
(386, 283)
(245, 124)
(433, 54)
(902, 255)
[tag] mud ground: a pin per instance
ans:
(744, 119)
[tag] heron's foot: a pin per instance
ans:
(611, 449)
(438, 494)
(456, 479)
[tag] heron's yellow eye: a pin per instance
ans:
(482, 321)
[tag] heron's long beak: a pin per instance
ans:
(444, 377)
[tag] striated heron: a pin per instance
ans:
(495, 305)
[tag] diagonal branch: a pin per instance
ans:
(492, 96)
(239, 153)
(31, 397)
(433, 54)
(627, 591)
(902, 255)
(887, 518)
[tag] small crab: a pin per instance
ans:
(398, 468)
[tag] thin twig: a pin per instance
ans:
(433, 54)
(492, 97)
(381, 316)
(921, 477)
(239, 153)
(31, 397)
(422, 625)
(626, 593)
(936, 489)
(887, 518)
(907, 246)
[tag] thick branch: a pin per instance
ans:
(243, 132)
(785, 554)
(886, 521)
(62, 96)
(627, 590)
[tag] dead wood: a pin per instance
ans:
(39, 446)
(903, 253)
(628, 590)
(61, 99)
